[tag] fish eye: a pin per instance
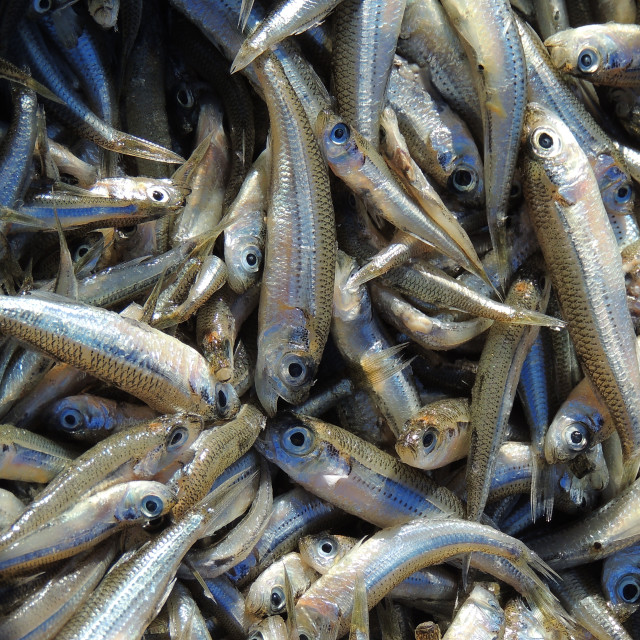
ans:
(623, 194)
(158, 194)
(81, 252)
(185, 98)
(464, 179)
(303, 636)
(127, 232)
(429, 440)
(152, 506)
(588, 60)
(576, 437)
(252, 258)
(545, 141)
(293, 370)
(326, 548)
(277, 599)
(297, 440)
(71, 419)
(628, 589)
(42, 6)
(340, 133)
(177, 438)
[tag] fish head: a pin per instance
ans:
(244, 256)
(621, 577)
(293, 443)
(180, 432)
(568, 436)
(153, 192)
(144, 500)
(271, 628)
(317, 619)
(343, 148)
(466, 180)
(616, 187)
(321, 551)
(81, 417)
(285, 367)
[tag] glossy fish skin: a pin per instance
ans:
(490, 35)
(45, 612)
(89, 418)
(546, 86)
(438, 139)
(29, 457)
(139, 452)
(351, 473)
(437, 435)
(496, 382)
(87, 523)
(583, 261)
(17, 147)
(355, 161)
(598, 535)
(185, 618)
(287, 18)
(603, 54)
(364, 41)
(120, 351)
(480, 617)
(215, 450)
(297, 283)
(368, 352)
(390, 556)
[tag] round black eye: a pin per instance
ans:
(127, 232)
(158, 196)
(185, 98)
(222, 399)
(429, 440)
(295, 370)
(152, 506)
(303, 636)
(463, 179)
(42, 6)
(297, 440)
(81, 252)
(71, 419)
(628, 589)
(623, 194)
(545, 141)
(576, 437)
(251, 259)
(340, 133)
(277, 599)
(327, 547)
(588, 60)
(177, 437)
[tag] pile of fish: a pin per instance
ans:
(318, 319)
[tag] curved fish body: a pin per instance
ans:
(364, 42)
(391, 555)
(297, 283)
(286, 18)
(89, 418)
(547, 86)
(351, 473)
(158, 369)
(87, 523)
(29, 457)
(491, 38)
(437, 435)
(139, 452)
(428, 39)
(368, 351)
(585, 265)
(436, 136)
(496, 383)
(46, 611)
(598, 535)
(185, 618)
(607, 54)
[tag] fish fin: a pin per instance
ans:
(290, 605)
(16, 217)
(245, 11)
(199, 579)
(382, 365)
(66, 281)
(359, 628)
(245, 56)
(466, 562)
(150, 305)
(139, 148)
(522, 316)
(185, 173)
(11, 72)
(548, 481)
(92, 254)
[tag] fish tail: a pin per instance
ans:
(522, 316)
(382, 365)
(138, 147)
